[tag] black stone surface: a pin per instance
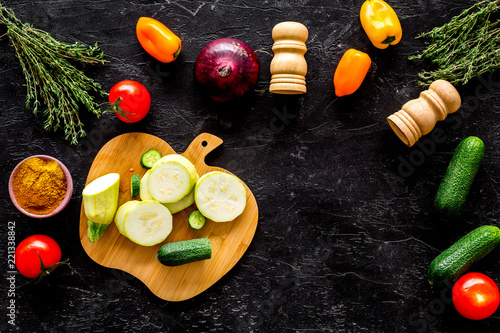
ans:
(346, 226)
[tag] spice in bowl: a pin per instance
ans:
(39, 185)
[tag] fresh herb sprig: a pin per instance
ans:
(51, 79)
(465, 47)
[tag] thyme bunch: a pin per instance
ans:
(465, 47)
(51, 79)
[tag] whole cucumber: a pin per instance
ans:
(452, 192)
(455, 260)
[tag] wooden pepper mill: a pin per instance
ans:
(289, 67)
(419, 116)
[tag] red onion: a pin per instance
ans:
(226, 68)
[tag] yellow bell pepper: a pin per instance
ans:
(380, 23)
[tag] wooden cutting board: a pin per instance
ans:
(229, 239)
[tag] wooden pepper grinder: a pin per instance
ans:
(289, 67)
(419, 116)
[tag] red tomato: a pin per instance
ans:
(135, 101)
(475, 296)
(26, 255)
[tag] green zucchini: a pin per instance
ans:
(455, 260)
(184, 252)
(149, 158)
(135, 185)
(452, 192)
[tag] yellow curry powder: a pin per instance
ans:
(39, 185)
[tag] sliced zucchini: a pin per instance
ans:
(220, 197)
(149, 158)
(120, 214)
(172, 178)
(175, 207)
(196, 220)
(148, 223)
(135, 185)
(144, 190)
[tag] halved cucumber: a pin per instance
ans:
(173, 207)
(120, 214)
(148, 223)
(172, 178)
(220, 197)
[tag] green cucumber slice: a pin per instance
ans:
(148, 223)
(135, 185)
(184, 252)
(172, 178)
(149, 158)
(220, 197)
(196, 220)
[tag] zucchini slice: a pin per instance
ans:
(172, 178)
(120, 214)
(220, 196)
(148, 223)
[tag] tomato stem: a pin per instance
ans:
(44, 271)
(115, 108)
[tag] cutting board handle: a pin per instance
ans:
(201, 146)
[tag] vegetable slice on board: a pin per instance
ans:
(220, 196)
(172, 178)
(148, 223)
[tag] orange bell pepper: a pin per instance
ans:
(161, 43)
(350, 72)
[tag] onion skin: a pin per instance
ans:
(227, 68)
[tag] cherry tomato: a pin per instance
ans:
(134, 102)
(475, 296)
(27, 259)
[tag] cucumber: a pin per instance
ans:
(452, 192)
(100, 201)
(173, 207)
(184, 252)
(219, 196)
(196, 220)
(455, 260)
(147, 223)
(172, 178)
(120, 214)
(135, 185)
(149, 158)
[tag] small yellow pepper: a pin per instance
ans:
(380, 23)
(350, 72)
(161, 43)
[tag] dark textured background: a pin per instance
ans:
(346, 230)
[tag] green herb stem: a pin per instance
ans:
(465, 47)
(51, 79)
